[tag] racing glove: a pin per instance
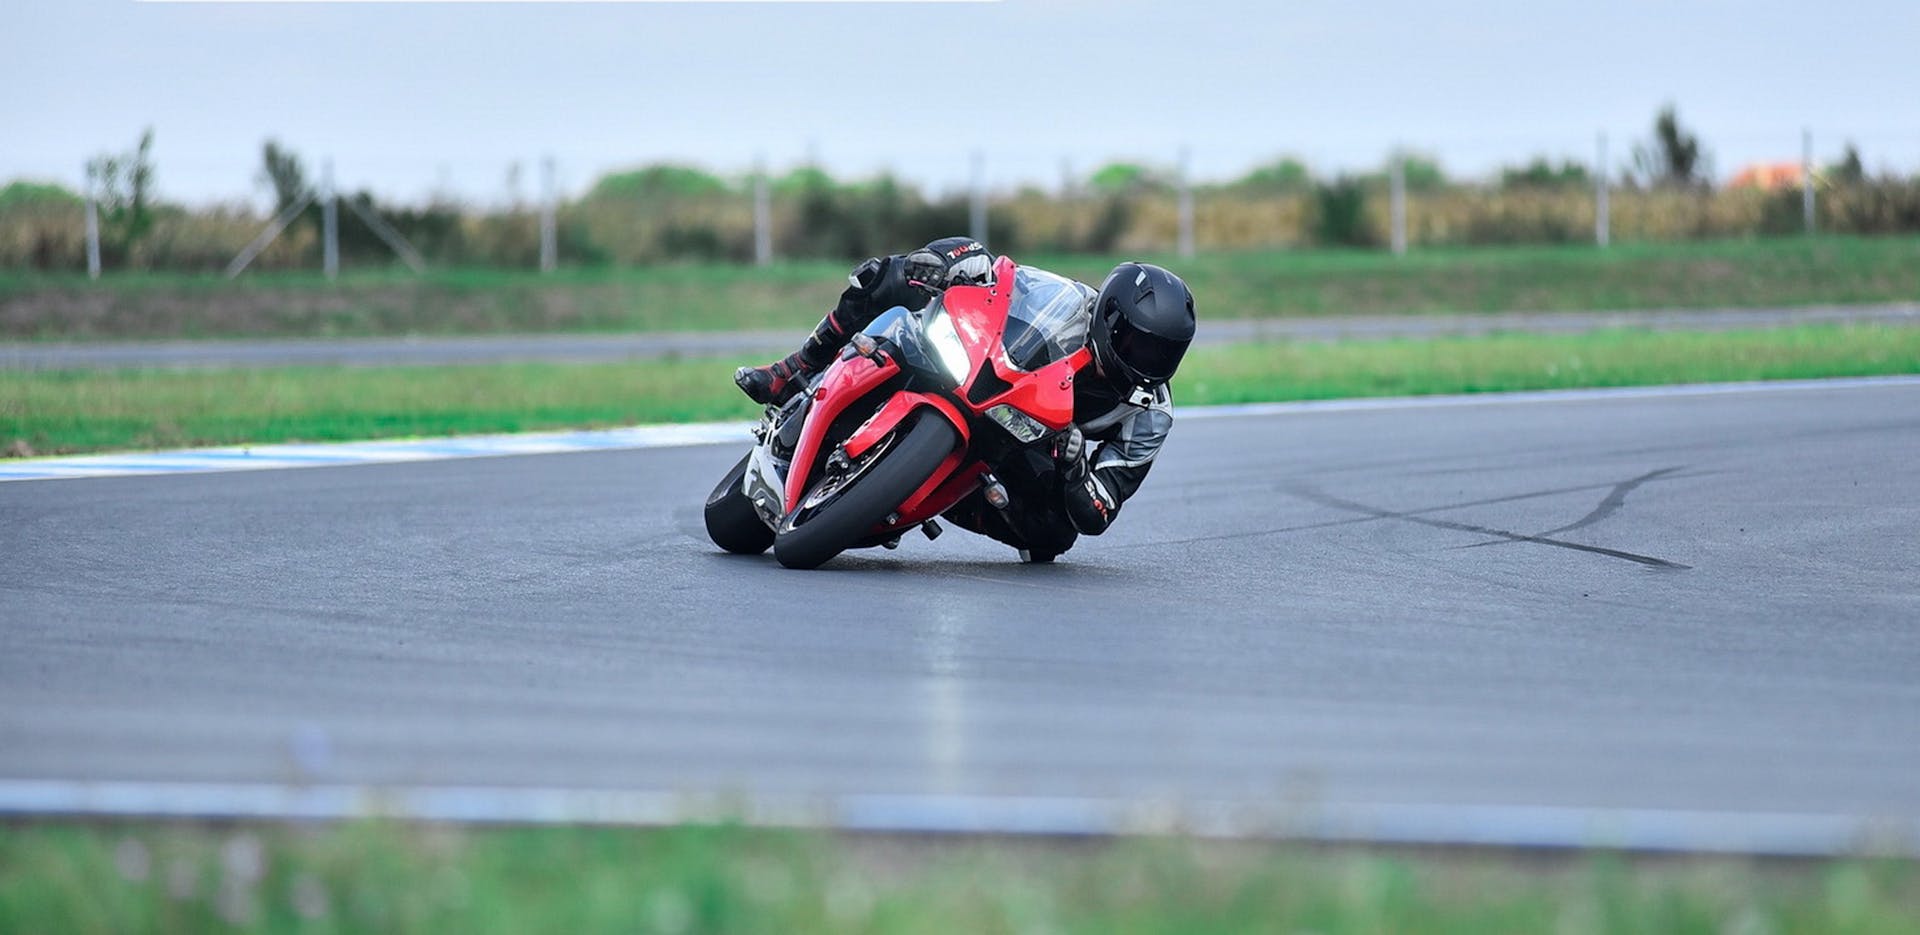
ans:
(1070, 448)
(950, 261)
(1089, 505)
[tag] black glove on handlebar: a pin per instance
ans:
(950, 261)
(1070, 451)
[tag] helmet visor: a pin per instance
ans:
(1151, 357)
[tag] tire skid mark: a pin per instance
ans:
(1307, 493)
(1609, 505)
(1356, 520)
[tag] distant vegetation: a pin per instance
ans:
(728, 296)
(671, 212)
(1673, 158)
(123, 185)
(1542, 173)
(1241, 284)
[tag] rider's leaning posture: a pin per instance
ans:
(1142, 320)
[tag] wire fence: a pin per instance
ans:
(672, 213)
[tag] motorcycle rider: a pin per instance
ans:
(1142, 320)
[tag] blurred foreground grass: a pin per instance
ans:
(787, 296)
(157, 877)
(70, 411)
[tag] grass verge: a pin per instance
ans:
(392, 878)
(1246, 284)
(73, 411)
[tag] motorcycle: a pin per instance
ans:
(911, 417)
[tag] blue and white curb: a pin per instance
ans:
(278, 457)
(275, 457)
(1527, 826)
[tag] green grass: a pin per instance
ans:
(83, 411)
(1234, 285)
(1508, 362)
(152, 877)
(71, 411)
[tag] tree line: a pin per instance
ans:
(673, 212)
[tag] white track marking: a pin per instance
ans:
(276, 457)
(1786, 834)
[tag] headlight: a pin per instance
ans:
(947, 346)
(1022, 426)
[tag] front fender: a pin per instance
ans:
(847, 380)
(895, 412)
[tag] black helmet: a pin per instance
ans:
(1142, 324)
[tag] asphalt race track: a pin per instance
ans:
(1694, 603)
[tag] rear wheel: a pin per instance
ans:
(732, 523)
(840, 510)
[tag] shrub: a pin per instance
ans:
(1281, 176)
(1542, 173)
(1340, 214)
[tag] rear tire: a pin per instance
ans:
(852, 514)
(732, 523)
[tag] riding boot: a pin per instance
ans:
(777, 382)
(872, 283)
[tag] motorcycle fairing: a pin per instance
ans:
(897, 408)
(847, 380)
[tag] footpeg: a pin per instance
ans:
(932, 529)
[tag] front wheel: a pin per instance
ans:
(838, 512)
(732, 523)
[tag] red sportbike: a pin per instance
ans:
(913, 416)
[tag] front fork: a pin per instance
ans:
(777, 433)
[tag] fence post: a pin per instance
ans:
(1602, 210)
(762, 214)
(977, 199)
(1806, 178)
(1186, 203)
(549, 226)
(1398, 203)
(329, 223)
(93, 230)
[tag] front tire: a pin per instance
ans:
(816, 538)
(732, 523)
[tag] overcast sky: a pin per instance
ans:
(409, 97)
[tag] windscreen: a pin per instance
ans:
(1047, 320)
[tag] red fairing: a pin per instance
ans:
(896, 409)
(845, 381)
(941, 491)
(980, 319)
(1046, 393)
